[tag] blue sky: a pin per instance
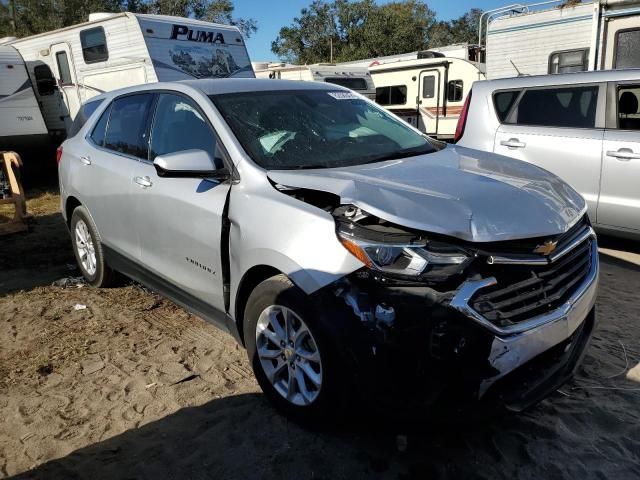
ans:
(274, 14)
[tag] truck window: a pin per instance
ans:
(429, 86)
(394, 95)
(503, 101)
(63, 67)
(569, 61)
(454, 90)
(82, 116)
(94, 45)
(627, 49)
(45, 83)
(559, 107)
(628, 115)
(127, 129)
(352, 83)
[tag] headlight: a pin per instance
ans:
(431, 261)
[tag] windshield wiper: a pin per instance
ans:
(398, 155)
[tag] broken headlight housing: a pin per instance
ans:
(397, 253)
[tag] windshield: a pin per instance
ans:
(316, 129)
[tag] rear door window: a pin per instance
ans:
(127, 130)
(180, 125)
(82, 116)
(558, 107)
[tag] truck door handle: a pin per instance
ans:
(513, 143)
(86, 160)
(144, 182)
(624, 154)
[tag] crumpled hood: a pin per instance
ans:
(460, 192)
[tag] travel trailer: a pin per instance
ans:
(464, 51)
(427, 93)
(355, 78)
(528, 40)
(110, 51)
(21, 123)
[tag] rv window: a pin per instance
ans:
(429, 86)
(127, 129)
(628, 111)
(352, 83)
(454, 90)
(180, 125)
(569, 61)
(94, 45)
(45, 83)
(559, 107)
(82, 116)
(503, 101)
(63, 68)
(394, 95)
(627, 49)
(99, 131)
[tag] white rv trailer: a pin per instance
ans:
(353, 77)
(464, 51)
(21, 123)
(112, 51)
(547, 37)
(429, 93)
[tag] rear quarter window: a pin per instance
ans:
(503, 101)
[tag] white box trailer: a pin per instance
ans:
(354, 77)
(110, 51)
(428, 93)
(21, 122)
(548, 37)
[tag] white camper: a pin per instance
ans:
(21, 123)
(112, 51)
(551, 37)
(428, 93)
(353, 77)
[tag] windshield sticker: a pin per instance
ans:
(344, 95)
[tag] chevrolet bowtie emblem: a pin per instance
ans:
(546, 248)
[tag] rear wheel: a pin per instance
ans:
(290, 349)
(88, 250)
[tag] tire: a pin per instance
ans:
(276, 298)
(85, 241)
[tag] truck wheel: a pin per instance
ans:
(88, 250)
(290, 350)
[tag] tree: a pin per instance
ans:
(460, 30)
(37, 16)
(354, 30)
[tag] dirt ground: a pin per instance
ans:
(121, 383)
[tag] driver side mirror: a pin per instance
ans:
(189, 164)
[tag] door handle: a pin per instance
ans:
(623, 154)
(86, 160)
(513, 143)
(144, 182)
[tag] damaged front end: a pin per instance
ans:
(450, 322)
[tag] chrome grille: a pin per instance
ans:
(525, 291)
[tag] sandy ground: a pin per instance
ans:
(132, 386)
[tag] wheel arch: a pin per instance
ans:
(70, 205)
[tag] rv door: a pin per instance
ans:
(622, 43)
(65, 73)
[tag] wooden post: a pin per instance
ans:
(11, 163)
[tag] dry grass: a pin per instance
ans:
(39, 202)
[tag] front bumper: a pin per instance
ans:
(513, 348)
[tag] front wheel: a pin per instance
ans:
(291, 352)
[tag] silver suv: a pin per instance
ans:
(584, 127)
(355, 258)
